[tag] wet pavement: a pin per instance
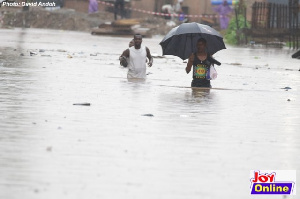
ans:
(140, 139)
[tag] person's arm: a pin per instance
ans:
(213, 61)
(122, 58)
(149, 57)
(189, 64)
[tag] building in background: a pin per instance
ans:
(191, 7)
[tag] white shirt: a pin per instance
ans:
(177, 7)
(137, 63)
(168, 7)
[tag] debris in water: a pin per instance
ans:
(61, 50)
(148, 115)
(288, 100)
(22, 54)
(82, 104)
(236, 64)
(69, 56)
(286, 88)
(32, 53)
(41, 50)
(49, 148)
(93, 54)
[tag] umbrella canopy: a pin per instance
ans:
(181, 41)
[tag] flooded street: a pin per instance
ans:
(198, 143)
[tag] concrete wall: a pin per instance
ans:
(78, 5)
(148, 5)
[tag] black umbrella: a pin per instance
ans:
(181, 41)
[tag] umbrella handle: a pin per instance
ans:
(212, 60)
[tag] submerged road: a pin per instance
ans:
(153, 139)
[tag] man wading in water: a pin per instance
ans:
(201, 63)
(135, 59)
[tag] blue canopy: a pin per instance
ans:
(218, 2)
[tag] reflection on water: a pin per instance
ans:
(200, 93)
(198, 143)
(136, 81)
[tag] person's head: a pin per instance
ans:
(201, 45)
(137, 38)
(225, 3)
(131, 43)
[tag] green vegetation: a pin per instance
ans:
(231, 36)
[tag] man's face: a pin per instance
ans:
(201, 46)
(137, 40)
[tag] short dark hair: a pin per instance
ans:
(138, 34)
(202, 40)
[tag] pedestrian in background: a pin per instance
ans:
(168, 10)
(93, 6)
(224, 10)
(178, 7)
(119, 6)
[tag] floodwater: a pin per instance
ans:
(198, 143)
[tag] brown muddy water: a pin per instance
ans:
(198, 143)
